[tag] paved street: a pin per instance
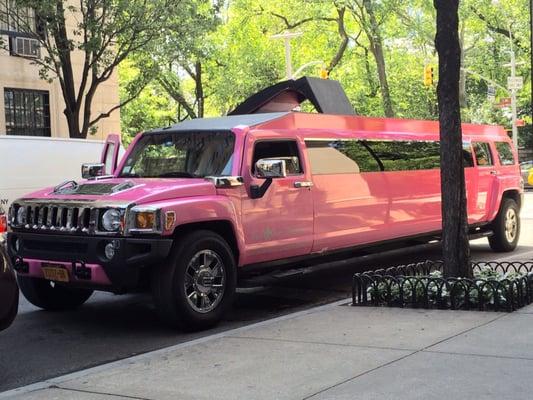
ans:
(42, 345)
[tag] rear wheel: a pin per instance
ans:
(196, 285)
(506, 227)
(51, 296)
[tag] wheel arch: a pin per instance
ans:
(224, 228)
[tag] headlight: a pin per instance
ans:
(111, 220)
(21, 215)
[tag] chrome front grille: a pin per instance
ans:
(61, 218)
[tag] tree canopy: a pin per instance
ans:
(377, 49)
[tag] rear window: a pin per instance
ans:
(407, 155)
(340, 157)
(505, 153)
(356, 156)
(483, 155)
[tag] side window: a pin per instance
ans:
(340, 157)
(483, 155)
(468, 160)
(284, 149)
(407, 155)
(505, 153)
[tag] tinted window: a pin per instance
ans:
(406, 155)
(483, 155)
(181, 154)
(281, 149)
(468, 160)
(340, 157)
(505, 153)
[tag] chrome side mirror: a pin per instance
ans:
(92, 170)
(271, 168)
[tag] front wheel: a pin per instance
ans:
(506, 227)
(51, 296)
(196, 285)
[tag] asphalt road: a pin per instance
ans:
(41, 345)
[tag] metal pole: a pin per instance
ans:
(513, 92)
(288, 60)
(287, 40)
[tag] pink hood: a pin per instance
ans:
(140, 191)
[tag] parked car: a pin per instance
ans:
(192, 206)
(526, 168)
(9, 293)
(41, 162)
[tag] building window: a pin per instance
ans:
(15, 19)
(27, 112)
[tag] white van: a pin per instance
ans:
(30, 163)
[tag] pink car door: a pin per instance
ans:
(278, 224)
(486, 174)
(110, 153)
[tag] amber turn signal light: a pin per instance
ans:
(145, 220)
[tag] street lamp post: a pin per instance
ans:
(287, 36)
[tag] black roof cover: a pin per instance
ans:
(326, 95)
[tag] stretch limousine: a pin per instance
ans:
(191, 206)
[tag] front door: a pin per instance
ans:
(280, 223)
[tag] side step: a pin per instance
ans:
(272, 277)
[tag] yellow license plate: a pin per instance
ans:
(55, 272)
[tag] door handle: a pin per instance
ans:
(494, 172)
(305, 184)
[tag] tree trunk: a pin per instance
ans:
(376, 47)
(455, 245)
(72, 111)
(199, 89)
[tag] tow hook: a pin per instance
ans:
(81, 271)
(20, 266)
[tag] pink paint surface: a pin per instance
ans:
(339, 210)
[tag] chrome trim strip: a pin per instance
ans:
(226, 181)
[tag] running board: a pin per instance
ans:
(274, 276)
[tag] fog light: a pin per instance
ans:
(109, 251)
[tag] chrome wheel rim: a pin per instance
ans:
(205, 281)
(511, 225)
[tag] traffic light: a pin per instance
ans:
(428, 75)
(324, 73)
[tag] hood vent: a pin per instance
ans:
(95, 189)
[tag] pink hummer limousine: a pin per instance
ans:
(191, 206)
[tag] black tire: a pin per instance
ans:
(169, 282)
(52, 297)
(503, 240)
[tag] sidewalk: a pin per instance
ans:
(330, 352)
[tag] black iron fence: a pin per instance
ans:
(496, 286)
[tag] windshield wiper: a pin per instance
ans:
(177, 175)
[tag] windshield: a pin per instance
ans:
(181, 155)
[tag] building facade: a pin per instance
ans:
(33, 106)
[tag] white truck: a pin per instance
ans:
(30, 163)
